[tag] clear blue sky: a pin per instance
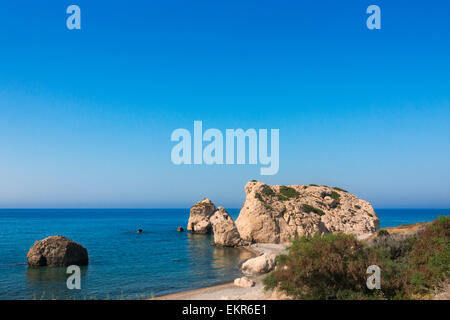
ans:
(86, 116)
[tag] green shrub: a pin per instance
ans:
(382, 233)
(430, 256)
(288, 192)
(268, 191)
(335, 196)
(332, 266)
(308, 209)
(394, 246)
(259, 197)
(313, 185)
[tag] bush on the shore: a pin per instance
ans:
(334, 266)
(430, 256)
(395, 246)
(382, 233)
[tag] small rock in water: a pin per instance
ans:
(180, 229)
(139, 231)
(244, 282)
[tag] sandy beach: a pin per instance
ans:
(227, 291)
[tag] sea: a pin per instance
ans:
(125, 264)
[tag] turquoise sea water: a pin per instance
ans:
(122, 263)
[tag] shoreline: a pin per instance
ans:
(229, 291)
(224, 291)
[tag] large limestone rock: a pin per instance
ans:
(199, 219)
(261, 264)
(57, 251)
(275, 214)
(225, 231)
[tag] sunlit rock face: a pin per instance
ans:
(277, 214)
(224, 228)
(199, 219)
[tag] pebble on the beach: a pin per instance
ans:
(244, 282)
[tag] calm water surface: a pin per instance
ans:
(123, 263)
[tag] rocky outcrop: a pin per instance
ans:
(276, 214)
(225, 231)
(204, 218)
(199, 219)
(57, 251)
(261, 264)
(244, 282)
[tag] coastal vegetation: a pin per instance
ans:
(335, 196)
(287, 193)
(259, 197)
(308, 209)
(382, 233)
(333, 266)
(268, 191)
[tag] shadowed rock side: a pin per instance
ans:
(57, 251)
(199, 219)
(275, 214)
(225, 231)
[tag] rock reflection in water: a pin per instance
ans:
(224, 262)
(230, 257)
(50, 283)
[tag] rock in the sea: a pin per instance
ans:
(244, 282)
(180, 229)
(260, 264)
(225, 231)
(199, 219)
(276, 214)
(57, 251)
